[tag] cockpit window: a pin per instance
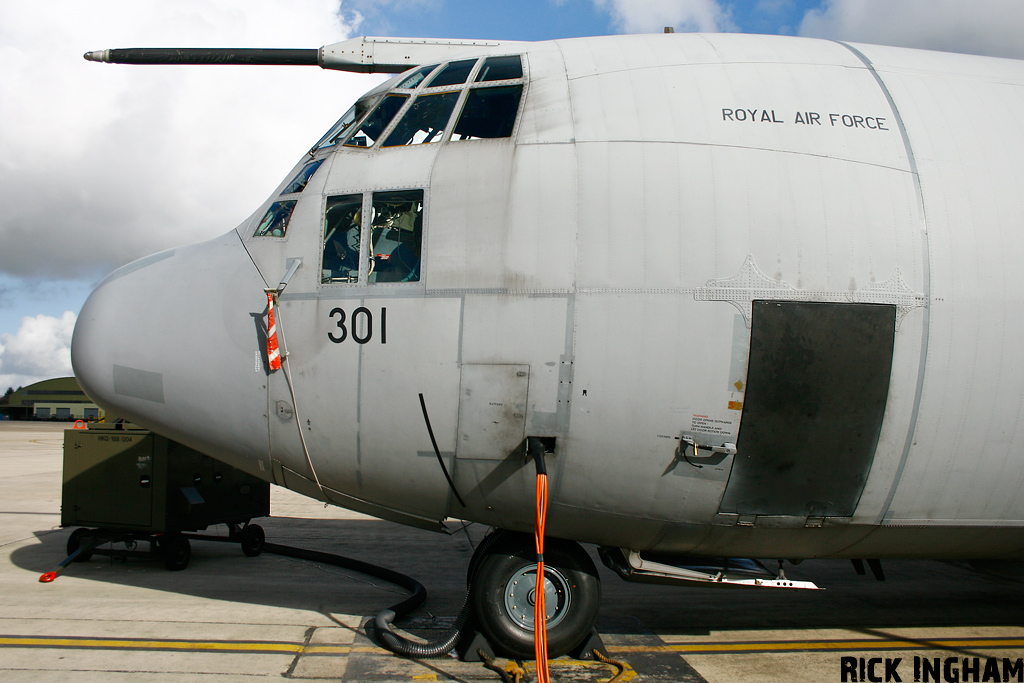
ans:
(416, 77)
(345, 123)
(500, 69)
(275, 220)
(298, 183)
(488, 113)
(342, 232)
(453, 74)
(479, 88)
(396, 233)
(376, 122)
(424, 121)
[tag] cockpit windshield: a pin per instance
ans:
(480, 100)
(424, 121)
(377, 121)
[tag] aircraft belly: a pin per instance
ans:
(854, 542)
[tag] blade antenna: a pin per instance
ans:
(437, 452)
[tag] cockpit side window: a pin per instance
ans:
(396, 235)
(342, 234)
(488, 113)
(275, 220)
(453, 74)
(424, 121)
(344, 125)
(377, 121)
(298, 183)
(500, 69)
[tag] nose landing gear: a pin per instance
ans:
(504, 587)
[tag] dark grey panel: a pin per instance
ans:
(143, 384)
(817, 384)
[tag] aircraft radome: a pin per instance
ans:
(754, 296)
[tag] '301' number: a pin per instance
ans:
(359, 326)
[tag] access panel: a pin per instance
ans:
(492, 410)
(817, 383)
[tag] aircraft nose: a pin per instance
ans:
(172, 342)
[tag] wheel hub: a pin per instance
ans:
(521, 596)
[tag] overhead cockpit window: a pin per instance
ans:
(275, 220)
(453, 74)
(342, 232)
(488, 113)
(500, 69)
(298, 183)
(376, 122)
(424, 121)
(416, 77)
(396, 234)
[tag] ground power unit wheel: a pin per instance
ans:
(253, 538)
(176, 551)
(504, 592)
(75, 542)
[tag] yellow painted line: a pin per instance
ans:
(327, 650)
(258, 647)
(131, 644)
(833, 645)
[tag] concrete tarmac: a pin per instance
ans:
(228, 617)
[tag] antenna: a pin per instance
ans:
(361, 55)
(204, 55)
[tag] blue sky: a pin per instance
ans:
(546, 19)
(103, 164)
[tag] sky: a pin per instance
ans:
(103, 164)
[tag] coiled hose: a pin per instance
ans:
(391, 640)
(442, 646)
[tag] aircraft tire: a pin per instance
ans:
(176, 551)
(75, 542)
(253, 538)
(501, 593)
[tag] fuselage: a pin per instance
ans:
(802, 248)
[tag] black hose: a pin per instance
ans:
(407, 648)
(436, 648)
(388, 638)
(417, 598)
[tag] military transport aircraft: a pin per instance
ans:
(753, 296)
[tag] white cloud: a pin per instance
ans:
(101, 164)
(652, 16)
(40, 349)
(992, 27)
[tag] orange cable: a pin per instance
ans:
(540, 634)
